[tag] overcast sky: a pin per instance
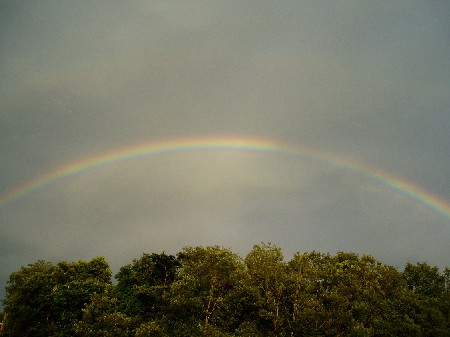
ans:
(364, 80)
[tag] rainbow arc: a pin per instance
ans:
(239, 144)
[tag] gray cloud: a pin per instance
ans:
(364, 80)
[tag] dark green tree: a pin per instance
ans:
(210, 291)
(46, 300)
(209, 279)
(431, 303)
(150, 329)
(306, 287)
(267, 275)
(143, 286)
(101, 318)
(347, 295)
(76, 282)
(29, 308)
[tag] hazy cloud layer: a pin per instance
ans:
(366, 80)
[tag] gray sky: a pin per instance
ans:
(364, 80)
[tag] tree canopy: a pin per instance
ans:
(211, 291)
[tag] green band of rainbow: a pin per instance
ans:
(241, 144)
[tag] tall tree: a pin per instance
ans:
(210, 291)
(268, 275)
(101, 318)
(28, 304)
(143, 286)
(46, 300)
(209, 277)
(432, 301)
(76, 282)
(347, 295)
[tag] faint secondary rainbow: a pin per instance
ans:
(238, 144)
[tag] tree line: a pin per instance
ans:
(211, 291)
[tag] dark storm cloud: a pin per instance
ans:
(363, 80)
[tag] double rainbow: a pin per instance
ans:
(239, 144)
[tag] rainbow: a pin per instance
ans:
(240, 144)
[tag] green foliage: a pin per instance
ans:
(101, 318)
(432, 301)
(268, 277)
(28, 304)
(46, 300)
(347, 295)
(211, 291)
(208, 278)
(425, 280)
(76, 282)
(150, 329)
(143, 286)
(248, 329)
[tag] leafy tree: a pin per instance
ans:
(28, 305)
(143, 286)
(101, 318)
(347, 295)
(210, 291)
(208, 278)
(76, 282)
(431, 305)
(444, 301)
(150, 329)
(425, 280)
(46, 300)
(248, 329)
(396, 306)
(307, 285)
(267, 276)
